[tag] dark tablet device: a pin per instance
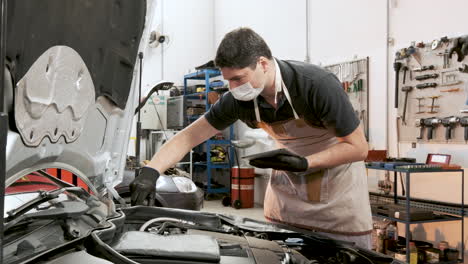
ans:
(268, 154)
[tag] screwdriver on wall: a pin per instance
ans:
(405, 89)
(426, 76)
(397, 67)
(404, 69)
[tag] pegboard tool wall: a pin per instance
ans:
(354, 77)
(435, 87)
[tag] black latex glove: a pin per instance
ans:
(144, 186)
(281, 161)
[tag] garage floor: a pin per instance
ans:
(215, 206)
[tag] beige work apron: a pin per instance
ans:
(333, 200)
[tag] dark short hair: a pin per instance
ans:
(241, 48)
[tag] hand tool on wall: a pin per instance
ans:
(446, 59)
(452, 83)
(431, 123)
(406, 90)
(427, 76)
(424, 68)
(460, 46)
(420, 123)
(414, 53)
(357, 86)
(397, 67)
(464, 124)
(449, 78)
(420, 106)
(454, 90)
(449, 123)
(402, 54)
(435, 44)
(463, 69)
(404, 69)
(346, 87)
(426, 85)
(445, 40)
(433, 104)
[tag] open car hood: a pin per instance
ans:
(72, 68)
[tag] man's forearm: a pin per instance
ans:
(338, 154)
(179, 145)
(350, 148)
(170, 153)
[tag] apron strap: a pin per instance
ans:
(289, 99)
(278, 88)
(278, 81)
(257, 112)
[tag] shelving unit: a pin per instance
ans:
(206, 75)
(409, 204)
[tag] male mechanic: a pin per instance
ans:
(323, 186)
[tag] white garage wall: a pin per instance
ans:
(281, 23)
(342, 29)
(189, 25)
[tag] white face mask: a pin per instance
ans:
(246, 92)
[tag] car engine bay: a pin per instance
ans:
(161, 235)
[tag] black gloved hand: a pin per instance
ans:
(281, 161)
(144, 186)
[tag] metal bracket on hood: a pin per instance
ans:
(114, 194)
(109, 186)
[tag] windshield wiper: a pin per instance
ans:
(42, 197)
(62, 210)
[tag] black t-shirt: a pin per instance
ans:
(316, 94)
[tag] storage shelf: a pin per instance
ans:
(430, 205)
(407, 202)
(219, 141)
(218, 190)
(214, 165)
(413, 170)
(200, 75)
(206, 75)
(446, 218)
(199, 94)
(193, 117)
